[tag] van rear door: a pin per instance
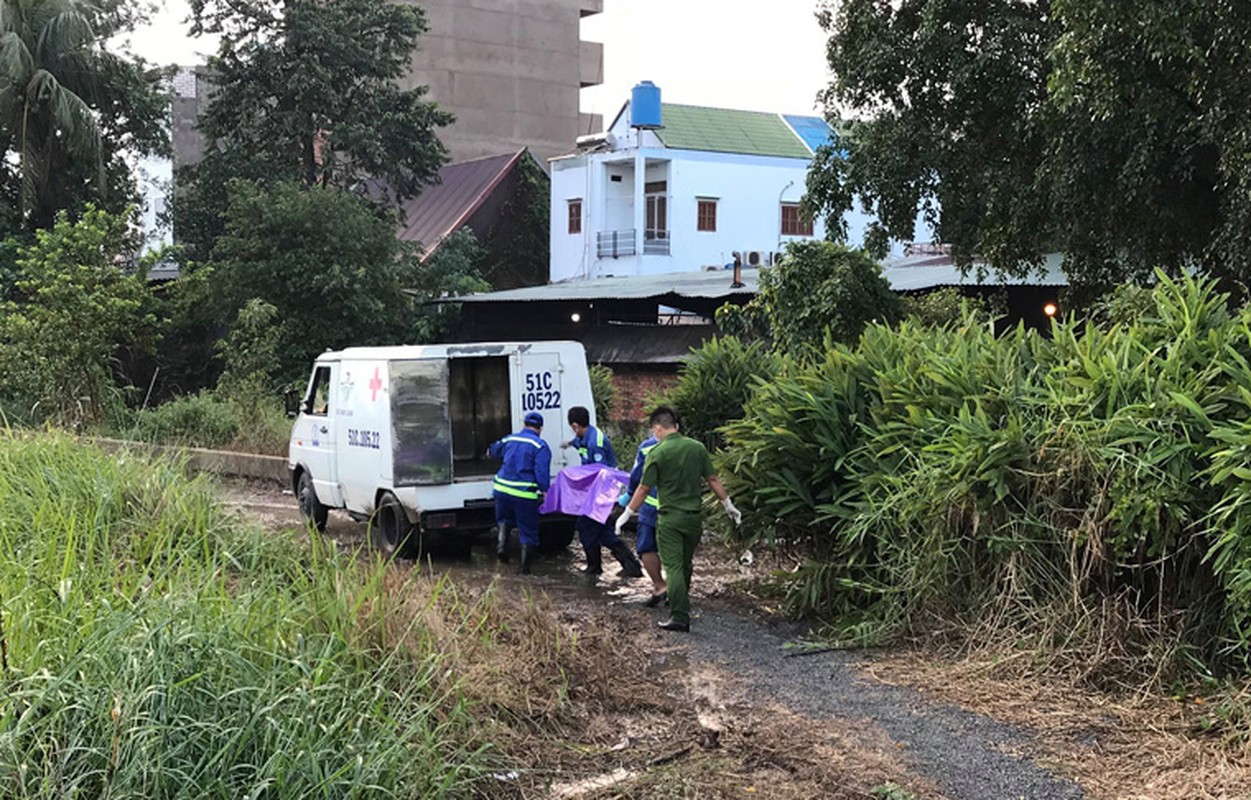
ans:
(538, 386)
(421, 423)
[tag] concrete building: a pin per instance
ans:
(687, 196)
(511, 71)
(189, 96)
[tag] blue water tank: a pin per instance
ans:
(645, 106)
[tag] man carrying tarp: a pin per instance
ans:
(678, 467)
(595, 449)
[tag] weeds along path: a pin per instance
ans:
(731, 708)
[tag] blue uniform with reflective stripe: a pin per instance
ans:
(527, 470)
(650, 510)
(595, 448)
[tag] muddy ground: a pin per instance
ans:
(738, 708)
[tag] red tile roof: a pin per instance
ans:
(443, 208)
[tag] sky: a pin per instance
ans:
(763, 55)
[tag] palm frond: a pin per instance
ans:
(16, 61)
(63, 32)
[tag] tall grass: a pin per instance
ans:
(153, 646)
(1090, 490)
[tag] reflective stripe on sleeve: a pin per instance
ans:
(522, 439)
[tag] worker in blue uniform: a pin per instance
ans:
(595, 448)
(524, 477)
(645, 537)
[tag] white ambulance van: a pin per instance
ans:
(399, 435)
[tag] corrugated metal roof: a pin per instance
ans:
(441, 209)
(929, 271)
(911, 274)
(724, 130)
(680, 284)
(814, 131)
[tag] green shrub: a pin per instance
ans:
(158, 648)
(604, 392)
(819, 291)
(948, 306)
(208, 420)
(715, 383)
(250, 352)
(1092, 484)
(200, 420)
(626, 437)
(76, 309)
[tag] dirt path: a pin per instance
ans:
(803, 723)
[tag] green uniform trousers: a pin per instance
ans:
(677, 535)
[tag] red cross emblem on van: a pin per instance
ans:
(375, 383)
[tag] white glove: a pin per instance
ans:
(736, 516)
(623, 519)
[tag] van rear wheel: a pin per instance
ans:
(392, 533)
(311, 509)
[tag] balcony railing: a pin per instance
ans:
(614, 244)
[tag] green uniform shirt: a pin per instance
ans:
(677, 468)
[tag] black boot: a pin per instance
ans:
(630, 566)
(594, 561)
(501, 543)
(527, 555)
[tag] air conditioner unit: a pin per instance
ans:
(777, 259)
(755, 258)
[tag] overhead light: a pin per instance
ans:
(576, 317)
(1050, 309)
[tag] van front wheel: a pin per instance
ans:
(311, 509)
(391, 531)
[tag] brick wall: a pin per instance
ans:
(637, 389)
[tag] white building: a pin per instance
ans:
(687, 196)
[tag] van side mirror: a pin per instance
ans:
(292, 399)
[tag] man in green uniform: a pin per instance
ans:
(678, 467)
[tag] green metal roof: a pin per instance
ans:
(723, 130)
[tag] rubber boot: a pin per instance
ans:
(501, 543)
(527, 555)
(594, 561)
(630, 566)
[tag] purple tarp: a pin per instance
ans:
(585, 491)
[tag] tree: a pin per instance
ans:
(80, 308)
(71, 109)
(454, 270)
(311, 91)
(819, 290)
(1162, 161)
(328, 263)
(1113, 132)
